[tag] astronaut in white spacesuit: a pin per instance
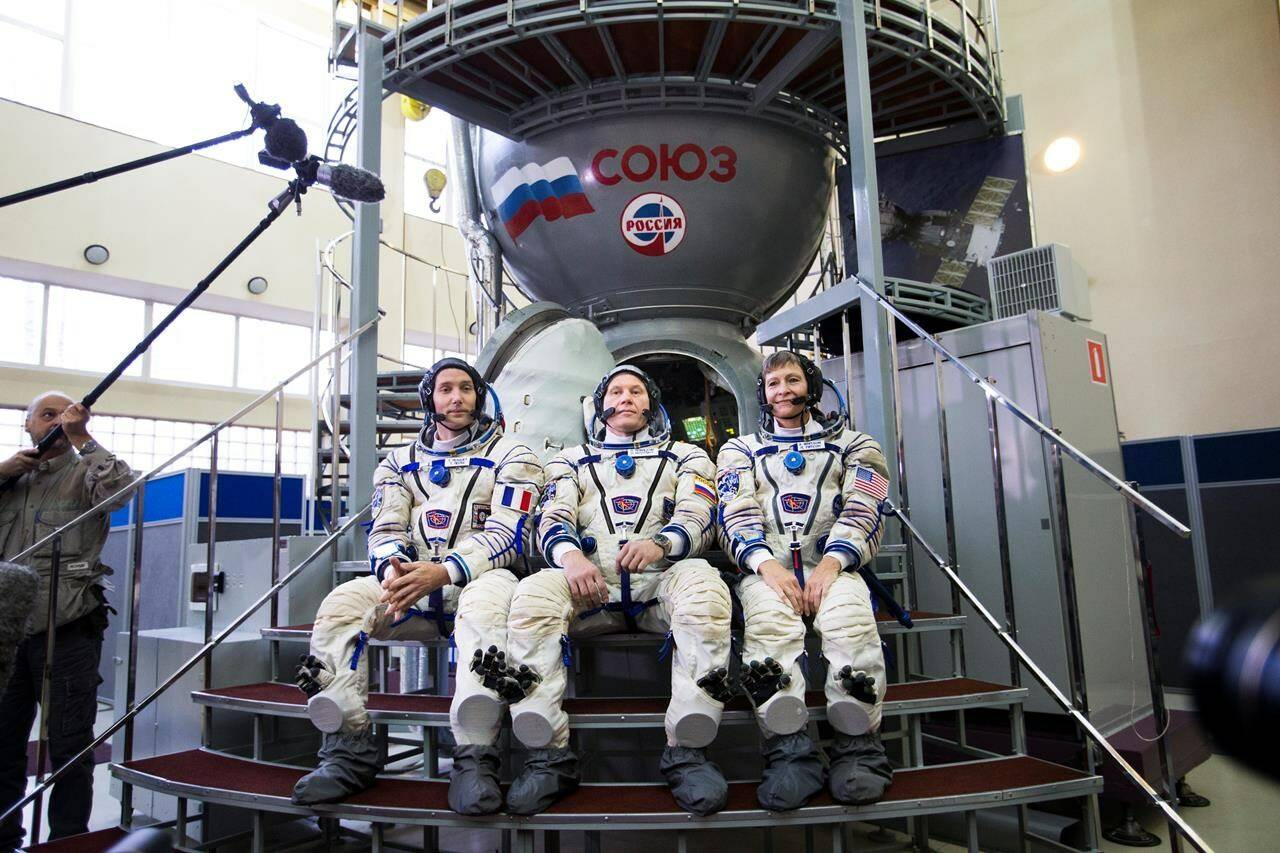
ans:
(450, 515)
(621, 521)
(801, 511)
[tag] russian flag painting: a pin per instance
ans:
(550, 190)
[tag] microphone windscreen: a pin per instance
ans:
(286, 141)
(352, 183)
(18, 587)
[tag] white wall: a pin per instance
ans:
(1174, 209)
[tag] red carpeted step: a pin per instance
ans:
(212, 772)
(89, 842)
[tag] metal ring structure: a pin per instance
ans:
(523, 67)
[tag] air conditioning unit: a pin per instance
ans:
(1045, 278)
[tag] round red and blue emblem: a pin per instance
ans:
(626, 504)
(794, 502)
(653, 224)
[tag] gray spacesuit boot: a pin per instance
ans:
(696, 783)
(473, 782)
(348, 764)
(547, 776)
(793, 772)
(860, 771)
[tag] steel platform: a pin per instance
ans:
(522, 67)
(214, 777)
(918, 697)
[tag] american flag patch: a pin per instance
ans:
(869, 481)
(521, 500)
(704, 489)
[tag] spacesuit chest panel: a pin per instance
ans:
(799, 499)
(446, 513)
(628, 506)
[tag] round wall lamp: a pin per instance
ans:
(96, 254)
(257, 285)
(1062, 154)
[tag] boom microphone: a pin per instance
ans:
(344, 181)
(18, 586)
(286, 142)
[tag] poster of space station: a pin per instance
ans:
(946, 211)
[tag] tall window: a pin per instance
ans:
(53, 326)
(426, 146)
(105, 63)
(146, 442)
(31, 61)
(426, 356)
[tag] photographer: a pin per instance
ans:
(50, 492)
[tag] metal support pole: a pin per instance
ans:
(46, 678)
(948, 509)
(900, 449)
(133, 608)
(1002, 538)
(206, 713)
(362, 413)
(1195, 520)
(1070, 602)
(275, 507)
(877, 374)
(847, 343)
(1160, 713)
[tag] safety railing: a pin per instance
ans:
(133, 603)
(1077, 706)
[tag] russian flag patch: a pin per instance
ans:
(517, 498)
(704, 489)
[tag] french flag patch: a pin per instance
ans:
(551, 190)
(869, 481)
(521, 500)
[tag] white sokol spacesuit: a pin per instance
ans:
(797, 495)
(465, 504)
(598, 497)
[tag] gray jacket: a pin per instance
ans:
(44, 500)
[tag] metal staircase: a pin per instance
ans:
(256, 781)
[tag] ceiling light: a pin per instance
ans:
(257, 285)
(1062, 154)
(96, 254)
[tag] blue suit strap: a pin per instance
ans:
(361, 641)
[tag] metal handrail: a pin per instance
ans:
(1004, 635)
(190, 663)
(273, 391)
(1127, 491)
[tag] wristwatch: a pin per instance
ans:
(88, 447)
(663, 541)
